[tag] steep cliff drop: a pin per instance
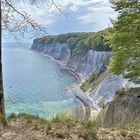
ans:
(83, 63)
(124, 108)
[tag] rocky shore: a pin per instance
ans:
(82, 66)
(87, 105)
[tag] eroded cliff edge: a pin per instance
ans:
(82, 63)
(124, 108)
(84, 54)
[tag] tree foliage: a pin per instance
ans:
(124, 39)
(78, 42)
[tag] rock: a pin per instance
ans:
(105, 90)
(84, 64)
(124, 108)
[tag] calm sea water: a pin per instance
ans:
(33, 83)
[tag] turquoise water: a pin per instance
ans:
(33, 83)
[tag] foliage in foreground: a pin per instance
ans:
(69, 121)
(124, 39)
(65, 126)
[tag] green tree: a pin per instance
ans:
(124, 39)
(80, 47)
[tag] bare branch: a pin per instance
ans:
(59, 9)
(18, 22)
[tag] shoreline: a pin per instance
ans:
(75, 74)
(82, 97)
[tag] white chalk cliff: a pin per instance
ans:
(85, 64)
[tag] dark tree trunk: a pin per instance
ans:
(3, 121)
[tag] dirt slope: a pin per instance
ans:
(21, 128)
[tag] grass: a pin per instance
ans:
(65, 119)
(132, 126)
(34, 121)
(93, 81)
(86, 85)
(96, 122)
(65, 126)
(69, 122)
(13, 115)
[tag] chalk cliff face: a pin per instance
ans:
(104, 87)
(105, 91)
(83, 64)
(90, 61)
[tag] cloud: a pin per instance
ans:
(43, 14)
(84, 15)
(98, 16)
(80, 15)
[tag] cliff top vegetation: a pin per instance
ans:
(78, 42)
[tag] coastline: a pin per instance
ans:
(75, 74)
(88, 104)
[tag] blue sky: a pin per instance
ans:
(80, 15)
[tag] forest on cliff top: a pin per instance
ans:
(79, 42)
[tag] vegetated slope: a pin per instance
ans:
(27, 127)
(92, 82)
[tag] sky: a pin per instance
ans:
(75, 15)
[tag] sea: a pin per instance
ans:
(34, 83)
